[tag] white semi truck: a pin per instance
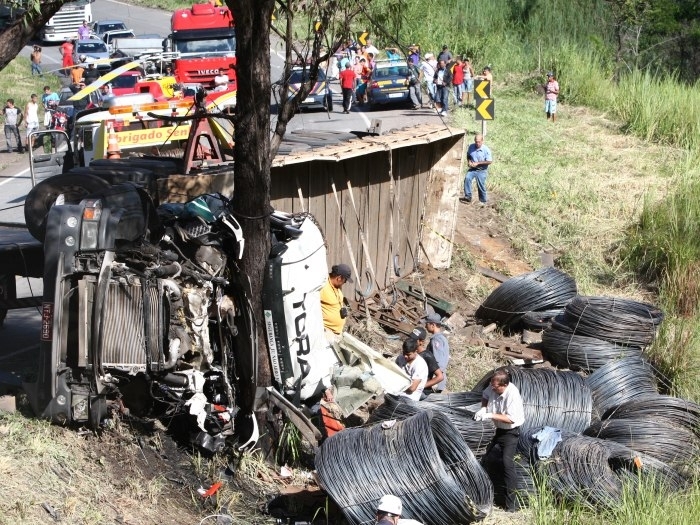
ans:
(65, 23)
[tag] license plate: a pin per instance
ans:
(309, 100)
(395, 95)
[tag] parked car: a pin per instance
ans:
(387, 83)
(93, 49)
(320, 96)
(101, 27)
(111, 36)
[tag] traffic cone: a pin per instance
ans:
(112, 143)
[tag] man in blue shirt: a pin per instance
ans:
(478, 159)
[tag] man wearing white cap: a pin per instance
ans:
(389, 512)
(332, 306)
(427, 67)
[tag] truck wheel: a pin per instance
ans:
(73, 188)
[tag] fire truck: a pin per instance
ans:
(203, 39)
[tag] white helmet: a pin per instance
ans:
(390, 504)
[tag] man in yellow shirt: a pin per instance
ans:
(334, 313)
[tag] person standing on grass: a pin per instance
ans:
(468, 72)
(478, 159)
(347, 84)
(35, 57)
(501, 403)
(551, 92)
(31, 117)
(443, 86)
(13, 119)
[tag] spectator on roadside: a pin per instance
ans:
(361, 91)
(501, 403)
(445, 54)
(13, 119)
(66, 51)
(438, 345)
(414, 54)
(49, 100)
(428, 67)
(35, 57)
(415, 367)
(468, 72)
(457, 71)
(84, 31)
(333, 308)
(443, 84)
(478, 159)
(76, 74)
(347, 84)
(221, 81)
(82, 103)
(357, 69)
(413, 81)
(487, 75)
(91, 73)
(551, 92)
(31, 117)
(435, 374)
(392, 53)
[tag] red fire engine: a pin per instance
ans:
(204, 37)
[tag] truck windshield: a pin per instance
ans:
(213, 47)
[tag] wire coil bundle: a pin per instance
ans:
(676, 446)
(618, 321)
(552, 398)
(674, 410)
(423, 460)
(455, 399)
(477, 434)
(593, 471)
(620, 381)
(543, 289)
(580, 352)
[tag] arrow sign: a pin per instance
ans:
(484, 108)
(483, 89)
(362, 37)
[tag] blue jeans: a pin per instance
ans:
(443, 97)
(480, 176)
(36, 69)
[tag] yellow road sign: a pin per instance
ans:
(482, 88)
(362, 37)
(484, 108)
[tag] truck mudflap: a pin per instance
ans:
(302, 359)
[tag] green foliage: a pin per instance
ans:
(289, 446)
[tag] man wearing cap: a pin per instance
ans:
(332, 307)
(415, 367)
(414, 54)
(435, 375)
(427, 67)
(551, 92)
(438, 346)
(501, 403)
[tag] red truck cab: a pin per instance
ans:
(204, 38)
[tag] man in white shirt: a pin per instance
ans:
(221, 81)
(502, 404)
(416, 368)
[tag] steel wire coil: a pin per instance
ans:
(540, 320)
(616, 320)
(674, 410)
(477, 434)
(620, 381)
(543, 289)
(593, 472)
(423, 460)
(580, 352)
(555, 398)
(455, 399)
(674, 445)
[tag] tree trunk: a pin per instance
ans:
(251, 198)
(14, 37)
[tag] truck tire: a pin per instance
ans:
(39, 201)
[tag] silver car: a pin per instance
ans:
(93, 49)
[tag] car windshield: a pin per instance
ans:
(92, 47)
(215, 47)
(385, 71)
(125, 81)
(298, 76)
(117, 26)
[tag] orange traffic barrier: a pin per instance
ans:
(113, 151)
